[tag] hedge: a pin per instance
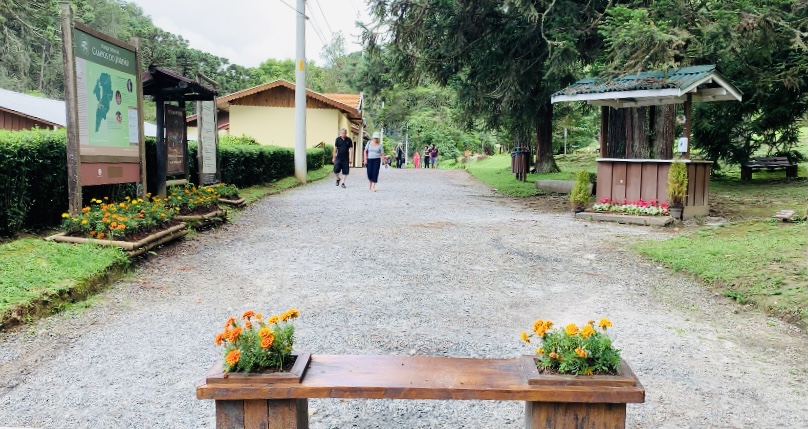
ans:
(33, 171)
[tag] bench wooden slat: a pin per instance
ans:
(420, 377)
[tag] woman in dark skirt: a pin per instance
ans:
(373, 154)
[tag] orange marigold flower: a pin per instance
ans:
(219, 338)
(100, 235)
(285, 316)
(85, 209)
(248, 324)
(580, 352)
(605, 323)
(232, 357)
(259, 316)
(273, 319)
(591, 322)
(571, 329)
(553, 355)
(234, 333)
(293, 313)
(247, 314)
(525, 338)
(587, 331)
(92, 233)
(267, 341)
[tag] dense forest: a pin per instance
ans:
(31, 56)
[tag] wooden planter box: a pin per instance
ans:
(239, 203)
(204, 221)
(130, 248)
(568, 402)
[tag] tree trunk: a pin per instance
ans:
(545, 162)
(664, 131)
(637, 133)
(41, 85)
(616, 139)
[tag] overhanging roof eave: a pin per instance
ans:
(618, 95)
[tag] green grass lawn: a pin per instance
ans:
(760, 263)
(496, 172)
(32, 268)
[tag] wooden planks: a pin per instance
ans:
(549, 415)
(419, 377)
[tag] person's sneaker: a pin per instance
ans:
(337, 181)
(343, 185)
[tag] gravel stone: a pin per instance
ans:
(434, 263)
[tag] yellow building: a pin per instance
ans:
(267, 114)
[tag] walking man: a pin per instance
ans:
(342, 158)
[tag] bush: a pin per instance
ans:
(677, 184)
(580, 195)
(33, 173)
(244, 140)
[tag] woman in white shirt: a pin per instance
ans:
(373, 159)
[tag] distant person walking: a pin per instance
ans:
(416, 159)
(373, 159)
(399, 155)
(433, 156)
(342, 157)
(426, 156)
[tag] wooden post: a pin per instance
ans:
(604, 130)
(162, 152)
(263, 414)
(72, 110)
(688, 122)
(141, 193)
(572, 415)
(185, 141)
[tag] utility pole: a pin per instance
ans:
(406, 145)
(300, 94)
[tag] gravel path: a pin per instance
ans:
(433, 263)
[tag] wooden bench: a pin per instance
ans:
(770, 163)
(573, 402)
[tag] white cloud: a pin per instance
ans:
(247, 32)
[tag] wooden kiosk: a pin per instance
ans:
(634, 105)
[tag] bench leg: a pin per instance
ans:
(263, 414)
(573, 415)
(791, 172)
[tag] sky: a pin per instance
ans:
(247, 32)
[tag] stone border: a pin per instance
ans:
(628, 219)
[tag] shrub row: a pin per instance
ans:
(33, 173)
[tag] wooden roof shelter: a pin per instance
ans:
(633, 179)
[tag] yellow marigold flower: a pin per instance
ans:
(539, 351)
(84, 221)
(65, 215)
(264, 332)
(588, 371)
(605, 323)
(247, 314)
(580, 352)
(233, 356)
(219, 338)
(587, 331)
(259, 316)
(286, 316)
(591, 322)
(121, 205)
(553, 355)
(272, 319)
(293, 313)
(525, 337)
(127, 198)
(106, 198)
(571, 329)
(267, 341)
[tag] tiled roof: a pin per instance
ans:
(680, 78)
(353, 112)
(352, 100)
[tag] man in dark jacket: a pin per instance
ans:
(342, 158)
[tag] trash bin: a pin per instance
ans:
(520, 157)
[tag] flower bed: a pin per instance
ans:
(638, 207)
(196, 206)
(573, 350)
(130, 220)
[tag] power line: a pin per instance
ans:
(292, 7)
(324, 18)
